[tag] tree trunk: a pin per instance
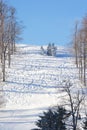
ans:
(3, 66)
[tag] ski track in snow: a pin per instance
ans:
(32, 86)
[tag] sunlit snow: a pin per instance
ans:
(32, 84)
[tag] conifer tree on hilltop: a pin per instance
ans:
(51, 49)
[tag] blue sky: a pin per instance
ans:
(49, 20)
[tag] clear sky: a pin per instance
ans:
(49, 20)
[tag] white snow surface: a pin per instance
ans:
(32, 84)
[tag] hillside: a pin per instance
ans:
(32, 85)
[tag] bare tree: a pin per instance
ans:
(80, 49)
(9, 31)
(75, 41)
(74, 102)
(3, 14)
(84, 43)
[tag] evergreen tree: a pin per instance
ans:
(51, 49)
(49, 53)
(52, 120)
(59, 118)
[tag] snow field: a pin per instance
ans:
(32, 85)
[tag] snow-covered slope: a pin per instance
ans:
(31, 85)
